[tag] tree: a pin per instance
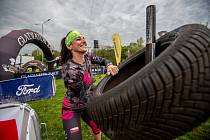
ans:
(140, 42)
(56, 53)
(135, 46)
(124, 53)
(107, 53)
(37, 55)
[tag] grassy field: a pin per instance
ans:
(49, 112)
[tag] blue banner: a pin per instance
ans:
(27, 88)
(96, 69)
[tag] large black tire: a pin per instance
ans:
(160, 100)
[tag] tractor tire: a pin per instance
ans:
(160, 100)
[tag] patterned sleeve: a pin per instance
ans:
(98, 60)
(72, 77)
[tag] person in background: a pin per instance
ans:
(77, 76)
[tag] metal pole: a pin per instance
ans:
(43, 33)
(20, 63)
(42, 28)
(42, 36)
(150, 33)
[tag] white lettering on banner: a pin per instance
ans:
(21, 41)
(54, 73)
(27, 89)
(30, 36)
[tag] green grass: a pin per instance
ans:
(49, 112)
(201, 132)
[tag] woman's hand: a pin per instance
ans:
(112, 69)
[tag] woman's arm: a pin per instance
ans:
(111, 69)
(98, 60)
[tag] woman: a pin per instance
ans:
(77, 76)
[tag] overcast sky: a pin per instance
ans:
(98, 19)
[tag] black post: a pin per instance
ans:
(95, 45)
(150, 33)
(20, 63)
(95, 48)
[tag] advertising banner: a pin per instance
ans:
(117, 47)
(27, 88)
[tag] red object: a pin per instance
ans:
(8, 130)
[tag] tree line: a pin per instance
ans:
(126, 51)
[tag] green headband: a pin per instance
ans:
(71, 37)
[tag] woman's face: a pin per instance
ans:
(79, 45)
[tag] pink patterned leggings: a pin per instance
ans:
(72, 124)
